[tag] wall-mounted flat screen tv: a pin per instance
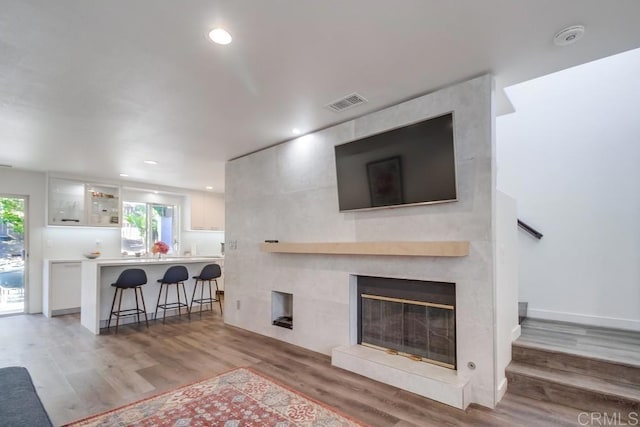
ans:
(409, 165)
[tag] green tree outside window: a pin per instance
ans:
(12, 214)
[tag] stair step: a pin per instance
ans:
(545, 357)
(571, 389)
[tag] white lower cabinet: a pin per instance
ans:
(64, 288)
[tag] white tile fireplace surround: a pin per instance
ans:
(289, 193)
(435, 382)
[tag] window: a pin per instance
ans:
(146, 223)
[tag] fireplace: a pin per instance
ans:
(412, 318)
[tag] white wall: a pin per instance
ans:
(61, 242)
(32, 185)
(570, 156)
(202, 243)
(288, 192)
(506, 256)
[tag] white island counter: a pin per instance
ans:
(98, 275)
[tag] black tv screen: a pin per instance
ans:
(404, 166)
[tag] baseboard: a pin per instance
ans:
(585, 319)
(65, 311)
(515, 333)
(502, 389)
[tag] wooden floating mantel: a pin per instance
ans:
(440, 249)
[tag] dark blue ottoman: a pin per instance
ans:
(20, 405)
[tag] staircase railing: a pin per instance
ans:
(532, 231)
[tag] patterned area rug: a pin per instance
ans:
(238, 398)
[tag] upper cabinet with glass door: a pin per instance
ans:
(103, 205)
(66, 202)
(77, 203)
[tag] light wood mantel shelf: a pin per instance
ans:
(439, 249)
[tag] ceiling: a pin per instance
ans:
(94, 88)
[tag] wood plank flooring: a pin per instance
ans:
(592, 341)
(591, 368)
(78, 374)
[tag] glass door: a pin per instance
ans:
(12, 253)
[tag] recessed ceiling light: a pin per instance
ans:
(295, 131)
(208, 187)
(569, 35)
(124, 175)
(151, 162)
(220, 36)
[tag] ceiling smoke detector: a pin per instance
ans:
(569, 35)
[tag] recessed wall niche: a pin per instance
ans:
(282, 309)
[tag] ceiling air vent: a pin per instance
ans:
(346, 102)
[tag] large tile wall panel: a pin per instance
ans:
(288, 192)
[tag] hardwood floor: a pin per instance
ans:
(78, 374)
(603, 343)
(591, 368)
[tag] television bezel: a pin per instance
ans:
(402, 205)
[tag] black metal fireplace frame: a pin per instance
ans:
(416, 290)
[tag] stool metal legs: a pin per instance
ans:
(128, 312)
(168, 305)
(202, 300)
(144, 307)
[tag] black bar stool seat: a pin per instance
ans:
(131, 278)
(209, 273)
(175, 275)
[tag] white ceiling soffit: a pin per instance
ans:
(95, 88)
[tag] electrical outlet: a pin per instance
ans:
(238, 304)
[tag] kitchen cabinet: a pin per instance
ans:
(66, 204)
(207, 211)
(62, 288)
(76, 203)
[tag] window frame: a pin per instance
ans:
(148, 239)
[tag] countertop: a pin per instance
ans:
(141, 260)
(150, 261)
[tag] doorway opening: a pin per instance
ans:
(13, 252)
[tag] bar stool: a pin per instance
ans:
(175, 275)
(131, 278)
(209, 272)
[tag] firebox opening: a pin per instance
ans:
(412, 318)
(282, 309)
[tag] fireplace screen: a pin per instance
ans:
(421, 330)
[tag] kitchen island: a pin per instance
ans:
(98, 275)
